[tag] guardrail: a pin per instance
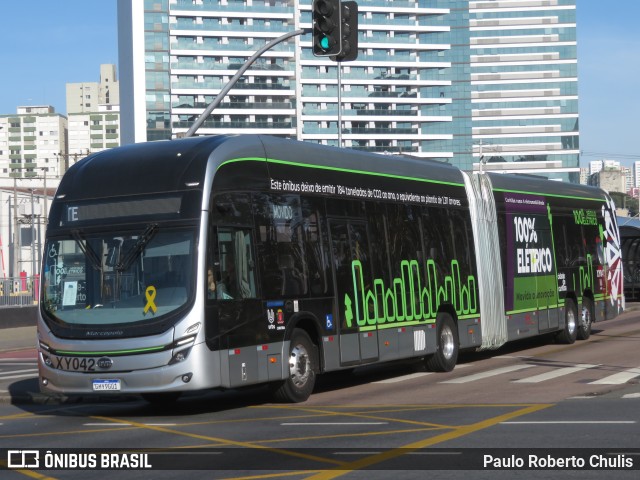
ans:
(19, 291)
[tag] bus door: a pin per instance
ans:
(352, 271)
(233, 308)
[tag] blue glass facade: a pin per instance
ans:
(522, 60)
(452, 80)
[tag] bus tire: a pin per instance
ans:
(569, 333)
(586, 319)
(447, 345)
(303, 365)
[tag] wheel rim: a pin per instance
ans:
(571, 321)
(585, 318)
(299, 365)
(447, 342)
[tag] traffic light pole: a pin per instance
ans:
(216, 101)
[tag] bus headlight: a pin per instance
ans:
(180, 356)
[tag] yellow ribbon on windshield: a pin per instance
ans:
(150, 295)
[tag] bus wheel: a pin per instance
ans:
(446, 356)
(570, 331)
(162, 399)
(302, 369)
(586, 319)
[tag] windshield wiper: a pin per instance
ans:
(87, 250)
(135, 250)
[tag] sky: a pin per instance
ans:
(45, 44)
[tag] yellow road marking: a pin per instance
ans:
(427, 442)
(27, 473)
(344, 435)
(375, 417)
(68, 432)
(224, 441)
(273, 475)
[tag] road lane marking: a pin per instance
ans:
(13, 377)
(402, 378)
(456, 432)
(555, 373)
(107, 424)
(355, 453)
(487, 374)
(332, 423)
(618, 378)
(18, 371)
(572, 422)
(226, 441)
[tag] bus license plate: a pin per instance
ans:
(110, 385)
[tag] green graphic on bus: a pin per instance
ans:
(407, 299)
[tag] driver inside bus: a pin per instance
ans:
(216, 289)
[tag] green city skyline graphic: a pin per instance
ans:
(407, 301)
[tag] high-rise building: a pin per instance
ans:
(524, 82)
(94, 131)
(94, 114)
(85, 97)
(454, 80)
(596, 166)
(32, 140)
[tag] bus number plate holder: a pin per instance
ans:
(106, 385)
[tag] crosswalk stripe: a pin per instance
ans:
(402, 378)
(488, 373)
(618, 378)
(555, 373)
(13, 372)
(13, 377)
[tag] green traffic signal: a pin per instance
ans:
(327, 28)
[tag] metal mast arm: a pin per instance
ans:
(216, 101)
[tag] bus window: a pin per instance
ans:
(281, 247)
(559, 228)
(436, 231)
(461, 235)
(231, 271)
(316, 246)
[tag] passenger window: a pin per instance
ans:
(281, 248)
(231, 270)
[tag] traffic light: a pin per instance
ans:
(327, 24)
(349, 32)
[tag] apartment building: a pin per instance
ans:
(86, 97)
(32, 140)
(466, 82)
(93, 110)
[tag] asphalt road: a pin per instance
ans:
(535, 398)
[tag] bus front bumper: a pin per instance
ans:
(85, 376)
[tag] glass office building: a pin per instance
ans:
(452, 80)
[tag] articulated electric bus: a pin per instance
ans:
(225, 261)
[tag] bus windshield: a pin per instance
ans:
(121, 278)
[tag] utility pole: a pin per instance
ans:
(17, 247)
(33, 238)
